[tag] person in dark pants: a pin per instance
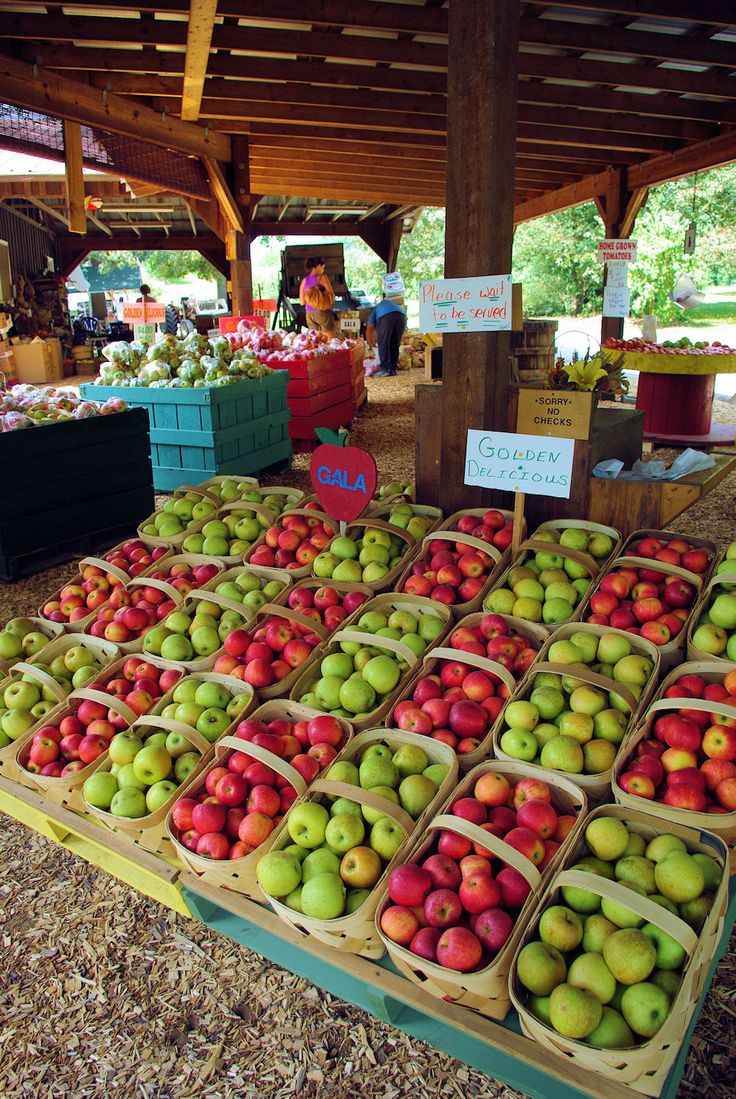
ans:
(385, 326)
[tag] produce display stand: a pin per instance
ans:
(497, 1049)
(320, 394)
(676, 394)
(71, 488)
(195, 433)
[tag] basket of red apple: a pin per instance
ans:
(329, 861)
(22, 638)
(293, 542)
(186, 571)
(577, 703)
(612, 966)
(458, 904)
(712, 629)
(133, 611)
(682, 754)
(454, 569)
(494, 526)
(696, 555)
(224, 817)
(550, 576)
(648, 597)
(239, 525)
(458, 693)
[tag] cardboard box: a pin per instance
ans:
(39, 361)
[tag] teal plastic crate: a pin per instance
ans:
(196, 433)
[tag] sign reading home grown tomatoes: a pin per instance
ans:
(344, 480)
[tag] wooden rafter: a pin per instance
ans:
(199, 36)
(222, 193)
(50, 210)
(74, 177)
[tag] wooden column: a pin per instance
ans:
(241, 271)
(618, 208)
(394, 243)
(481, 148)
(74, 177)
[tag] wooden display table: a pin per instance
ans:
(676, 394)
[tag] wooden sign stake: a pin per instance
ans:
(518, 523)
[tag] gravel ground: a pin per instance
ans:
(104, 993)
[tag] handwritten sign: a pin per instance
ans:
(563, 415)
(532, 464)
(616, 301)
(344, 480)
(611, 250)
(617, 274)
(466, 305)
(145, 333)
(144, 312)
(393, 283)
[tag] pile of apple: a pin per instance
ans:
(243, 800)
(130, 613)
(134, 557)
(192, 632)
(357, 679)
(458, 906)
(234, 532)
(727, 566)
(406, 515)
(340, 848)
(598, 973)
(185, 577)
(688, 759)
(360, 560)
(266, 654)
(26, 700)
(493, 527)
(566, 724)
(642, 601)
(94, 586)
(21, 638)
(206, 706)
(294, 542)
(457, 703)
(247, 587)
(715, 632)
(450, 572)
(180, 513)
(673, 551)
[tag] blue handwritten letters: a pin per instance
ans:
(480, 304)
(535, 464)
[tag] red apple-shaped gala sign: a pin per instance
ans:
(344, 480)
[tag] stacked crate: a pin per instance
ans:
(320, 394)
(357, 371)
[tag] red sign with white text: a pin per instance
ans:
(344, 480)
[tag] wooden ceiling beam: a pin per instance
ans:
(356, 192)
(693, 158)
(76, 102)
(564, 198)
(629, 76)
(714, 12)
(223, 195)
(199, 36)
(644, 106)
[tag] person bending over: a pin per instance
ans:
(385, 327)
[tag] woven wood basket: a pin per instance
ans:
(193, 528)
(416, 605)
(500, 559)
(299, 571)
(485, 990)
(722, 581)
(272, 610)
(172, 593)
(42, 625)
(667, 536)
(82, 623)
(265, 514)
(389, 581)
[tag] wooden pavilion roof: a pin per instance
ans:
(346, 102)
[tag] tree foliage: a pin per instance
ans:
(163, 266)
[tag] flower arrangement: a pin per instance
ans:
(600, 373)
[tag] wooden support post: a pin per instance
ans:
(241, 273)
(396, 229)
(483, 57)
(74, 177)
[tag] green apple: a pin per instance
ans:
(613, 1032)
(382, 673)
(205, 641)
(500, 601)
(607, 838)
(712, 872)
(670, 955)
(577, 726)
(327, 692)
(344, 805)
(174, 647)
(596, 931)
(630, 955)
(293, 899)
(350, 571)
(588, 700)
(560, 927)
(610, 725)
(661, 847)
(355, 899)
(178, 622)
(78, 657)
(619, 912)
(11, 647)
(357, 696)
(177, 744)
(386, 838)
(549, 703)
(565, 652)
(84, 676)
(521, 715)
(636, 845)
(212, 696)
(679, 877)
(540, 968)
(372, 816)
(127, 778)
(152, 763)
(124, 747)
(373, 621)
(306, 825)
(158, 739)
(410, 759)
(321, 861)
(377, 771)
(645, 1007)
(129, 803)
(613, 647)
(590, 972)
(539, 1007)
(254, 600)
(633, 670)
(337, 664)
(344, 831)
(16, 722)
(299, 852)
(668, 980)
(415, 793)
(430, 627)
(212, 724)
(636, 869)
(343, 771)
(185, 690)
(278, 873)
(158, 794)
(99, 789)
(587, 644)
(543, 733)
(188, 712)
(323, 897)
(21, 696)
(185, 764)
(563, 753)
(573, 1012)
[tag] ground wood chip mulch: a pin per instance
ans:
(104, 993)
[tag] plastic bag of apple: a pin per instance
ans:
(259, 771)
(612, 966)
(34, 690)
(456, 908)
(457, 695)
(293, 542)
(457, 571)
(576, 705)
(370, 552)
(682, 754)
(24, 637)
(327, 864)
(553, 572)
(75, 603)
(712, 632)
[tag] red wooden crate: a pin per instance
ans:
(326, 398)
(338, 415)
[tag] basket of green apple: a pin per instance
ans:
(359, 676)
(418, 519)
(57, 756)
(725, 562)
(225, 818)
(21, 638)
(394, 491)
(458, 905)
(294, 540)
(552, 573)
(612, 966)
(132, 787)
(193, 635)
(36, 688)
(682, 754)
(327, 864)
(184, 513)
(252, 585)
(370, 552)
(712, 631)
(239, 526)
(393, 614)
(576, 704)
(458, 693)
